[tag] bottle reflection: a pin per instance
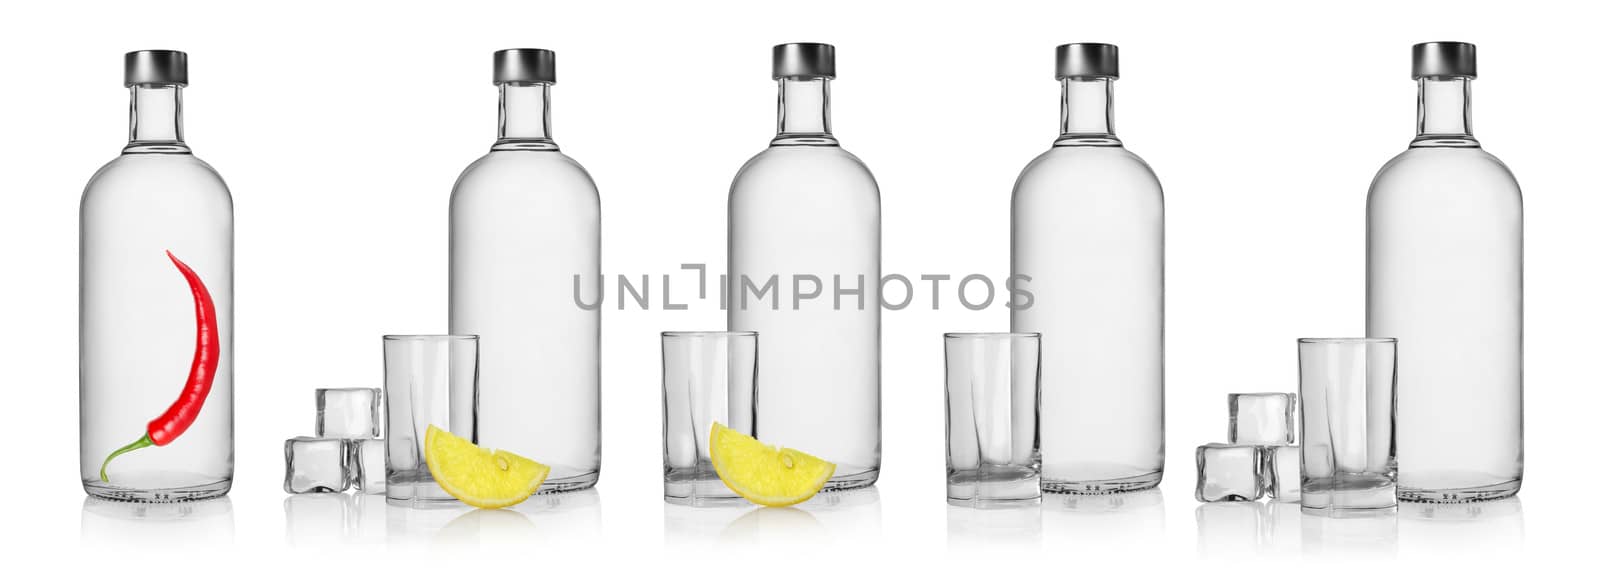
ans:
(1127, 519)
(204, 522)
(1472, 529)
(849, 517)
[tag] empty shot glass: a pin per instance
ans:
(1347, 409)
(991, 419)
(427, 380)
(706, 377)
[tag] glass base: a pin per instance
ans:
(1351, 512)
(1355, 494)
(1108, 486)
(569, 483)
(1461, 495)
(704, 492)
(984, 503)
(857, 480)
(993, 487)
(415, 493)
(106, 491)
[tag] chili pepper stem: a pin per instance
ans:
(143, 441)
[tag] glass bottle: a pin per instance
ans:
(1444, 277)
(803, 271)
(1086, 240)
(525, 278)
(155, 343)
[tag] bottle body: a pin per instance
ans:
(1087, 232)
(137, 323)
(1444, 277)
(524, 251)
(805, 219)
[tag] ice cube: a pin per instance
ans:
(1261, 418)
(1227, 473)
(367, 465)
(315, 465)
(1282, 472)
(348, 413)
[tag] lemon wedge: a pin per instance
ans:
(478, 476)
(764, 474)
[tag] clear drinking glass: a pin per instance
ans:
(804, 215)
(1347, 448)
(146, 341)
(427, 380)
(991, 383)
(1087, 231)
(525, 276)
(706, 377)
(1444, 274)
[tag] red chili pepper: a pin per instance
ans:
(171, 424)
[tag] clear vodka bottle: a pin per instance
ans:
(156, 307)
(1444, 277)
(1087, 232)
(525, 278)
(803, 261)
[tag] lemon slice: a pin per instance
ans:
(766, 475)
(479, 476)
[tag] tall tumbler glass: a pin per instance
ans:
(1347, 406)
(427, 380)
(991, 419)
(706, 377)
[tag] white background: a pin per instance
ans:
(340, 127)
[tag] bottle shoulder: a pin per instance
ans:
(1088, 167)
(523, 169)
(1435, 157)
(157, 173)
(1445, 167)
(807, 165)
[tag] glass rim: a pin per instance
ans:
(1347, 340)
(430, 337)
(666, 334)
(989, 335)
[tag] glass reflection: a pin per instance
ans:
(333, 519)
(977, 528)
(1367, 533)
(850, 517)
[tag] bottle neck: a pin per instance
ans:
(803, 116)
(1086, 118)
(1444, 113)
(155, 119)
(524, 117)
